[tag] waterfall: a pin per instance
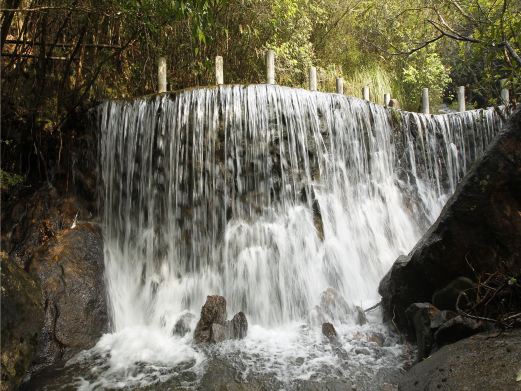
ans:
(268, 196)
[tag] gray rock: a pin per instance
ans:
(183, 324)
(481, 362)
(239, 326)
(218, 333)
(360, 317)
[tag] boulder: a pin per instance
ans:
(479, 227)
(239, 326)
(460, 289)
(481, 362)
(329, 331)
(183, 324)
(424, 321)
(420, 317)
(213, 311)
(22, 320)
(70, 270)
(213, 327)
(458, 328)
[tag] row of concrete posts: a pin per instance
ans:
(313, 85)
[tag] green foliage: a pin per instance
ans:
(8, 179)
(425, 70)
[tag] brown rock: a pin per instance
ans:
(329, 331)
(70, 271)
(22, 320)
(213, 311)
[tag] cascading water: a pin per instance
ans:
(268, 196)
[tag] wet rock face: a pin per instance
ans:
(213, 327)
(32, 221)
(479, 227)
(481, 362)
(22, 320)
(70, 271)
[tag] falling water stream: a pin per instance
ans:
(268, 196)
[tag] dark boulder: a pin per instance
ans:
(458, 291)
(239, 326)
(458, 328)
(70, 270)
(329, 331)
(420, 317)
(22, 320)
(479, 227)
(481, 362)
(213, 327)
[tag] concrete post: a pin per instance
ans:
(365, 93)
(425, 101)
(339, 85)
(313, 78)
(270, 67)
(387, 99)
(461, 99)
(161, 75)
(219, 73)
(505, 94)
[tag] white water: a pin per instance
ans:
(216, 191)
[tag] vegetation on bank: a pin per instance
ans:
(61, 57)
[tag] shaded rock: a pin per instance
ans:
(239, 326)
(420, 316)
(213, 327)
(479, 227)
(481, 362)
(218, 333)
(22, 320)
(183, 324)
(70, 271)
(213, 311)
(30, 222)
(458, 328)
(424, 319)
(446, 298)
(329, 331)
(360, 317)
